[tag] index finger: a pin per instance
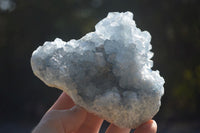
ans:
(63, 102)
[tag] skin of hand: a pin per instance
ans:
(66, 117)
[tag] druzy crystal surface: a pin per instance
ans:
(107, 72)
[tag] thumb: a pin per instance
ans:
(59, 121)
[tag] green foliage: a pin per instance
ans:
(188, 90)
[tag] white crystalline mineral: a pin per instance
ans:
(107, 72)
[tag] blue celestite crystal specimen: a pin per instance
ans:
(107, 72)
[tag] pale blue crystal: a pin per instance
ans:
(108, 71)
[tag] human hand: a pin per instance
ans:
(65, 117)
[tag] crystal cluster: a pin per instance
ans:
(107, 72)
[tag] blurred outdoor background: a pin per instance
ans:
(26, 24)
